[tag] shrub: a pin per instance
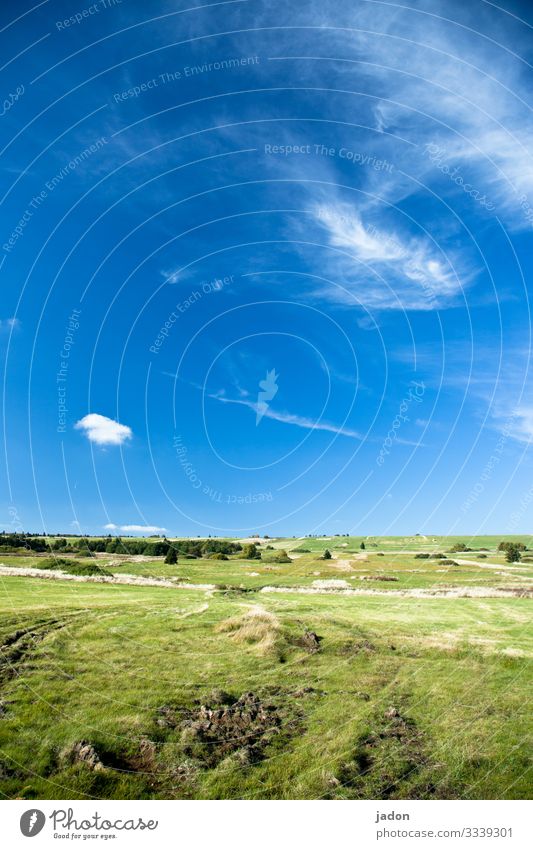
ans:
(72, 567)
(282, 557)
(171, 556)
(218, 555)
(447, 562)
(362, 546)
(504, 546)
(326, 555)
(422, 556)
(512, 554)
(250, 552)
(459, 546)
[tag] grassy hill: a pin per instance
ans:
(356, 677)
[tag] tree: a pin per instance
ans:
(250, 552)
(171, 557)
(362, 546)
(503, 546)
(326, 555)
(282, 557)
(512, 553)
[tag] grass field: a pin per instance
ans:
(240, 691)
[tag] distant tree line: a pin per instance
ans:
(117, 545)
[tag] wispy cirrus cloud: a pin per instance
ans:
(289, 418)
(382, 269)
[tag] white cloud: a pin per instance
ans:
(383, 269)
(103, 430)
(290, 418)
(140, 529)
(9, 324)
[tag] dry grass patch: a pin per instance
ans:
(255, 627)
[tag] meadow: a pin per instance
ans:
(376, 674)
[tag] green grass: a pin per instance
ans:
(97, 662)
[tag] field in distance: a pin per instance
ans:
(397, 670)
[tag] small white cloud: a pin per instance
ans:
(9, 324)
(138, 529)
(102, 430)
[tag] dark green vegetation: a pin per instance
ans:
(121, 691)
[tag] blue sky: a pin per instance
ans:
(266, 268)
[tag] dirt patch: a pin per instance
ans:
(377, 578)
(331, 584)
(358, 647)
(82, 753)
(310, 642)
(391, 762)
(20, 644)
(243, 729)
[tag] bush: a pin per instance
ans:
(362, 546)
(437, 556)
(72, 567)
(512, 554)
(504, 546)
(218, 555)
(422, 556)
(250, 552)
(281, 557)
(171, 556)
(326, 555)
(447, 562)
(459, 546)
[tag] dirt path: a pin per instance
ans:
(132, 580)
(455, 592)
(135, 580)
